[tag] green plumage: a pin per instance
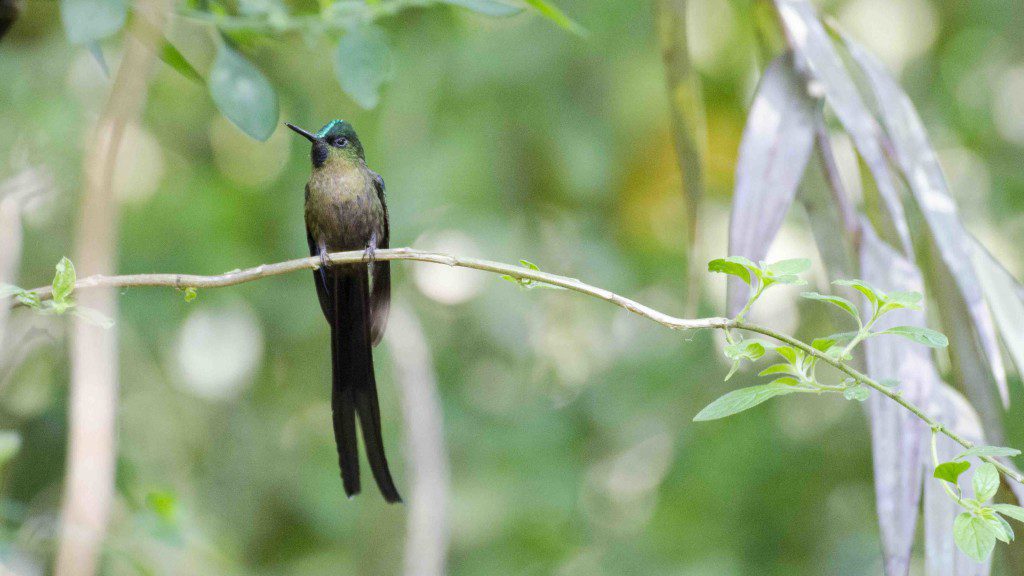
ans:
(346, 210)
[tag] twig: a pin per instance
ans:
(182, 281)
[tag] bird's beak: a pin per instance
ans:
(303, 133)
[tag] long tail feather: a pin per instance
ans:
(342, 403)
(355, 387)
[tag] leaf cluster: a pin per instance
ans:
(977, 529)
(62, 286)
(797, 370)
(529, 283)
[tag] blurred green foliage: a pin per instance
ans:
(568, 422)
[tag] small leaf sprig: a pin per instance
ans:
(528, 283)
(982, 523)
(798, 370)
(63, 286)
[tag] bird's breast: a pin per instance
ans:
(342, 209)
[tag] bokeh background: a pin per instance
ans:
(567, 421)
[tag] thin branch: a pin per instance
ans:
(182, 281)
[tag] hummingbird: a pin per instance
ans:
(345, 210)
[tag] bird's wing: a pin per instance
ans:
(320, 279)
(380, 298)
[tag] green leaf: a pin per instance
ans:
(93, 316)
(950, 471)
(25, 297)
(823, 344)
(487, 7)
(190, 291)
(362, 64)
(243, 94)
(1015, 512)
(843, 337)
(750, 349)
(792, 355)
(974, 536)
(999, 526)
(737, 266)
(530, 265)
(788, 267)
(897, 300)
(175, 59)
(859, 393)
(10, 444)
(30, 299)
(63, 281)
(842, 303)
(742, 399)
(925, 336)
(873, 295)
(554, 14)
(732, 370)
(990, 451)
(778, 369)
(790, 279)
(86, 21)
(145, 30)
(985, 482)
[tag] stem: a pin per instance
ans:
(893, 395)
(935, 464)
(182, 281)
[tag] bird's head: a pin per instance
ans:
(335, 141)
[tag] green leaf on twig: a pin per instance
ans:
(925, 336)
(873, 295)
(530, 283)
(737, 266)
(63, 281)
(897, 300)
(24, 297)
(1001, 527)
(841, 303)
(743, 399)
(950, 471)
(974, 536)
(1015, 512)
(857, 392)
(985, 482)
(990, 451)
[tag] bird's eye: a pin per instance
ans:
(340, 142)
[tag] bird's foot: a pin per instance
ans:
(370, 255)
